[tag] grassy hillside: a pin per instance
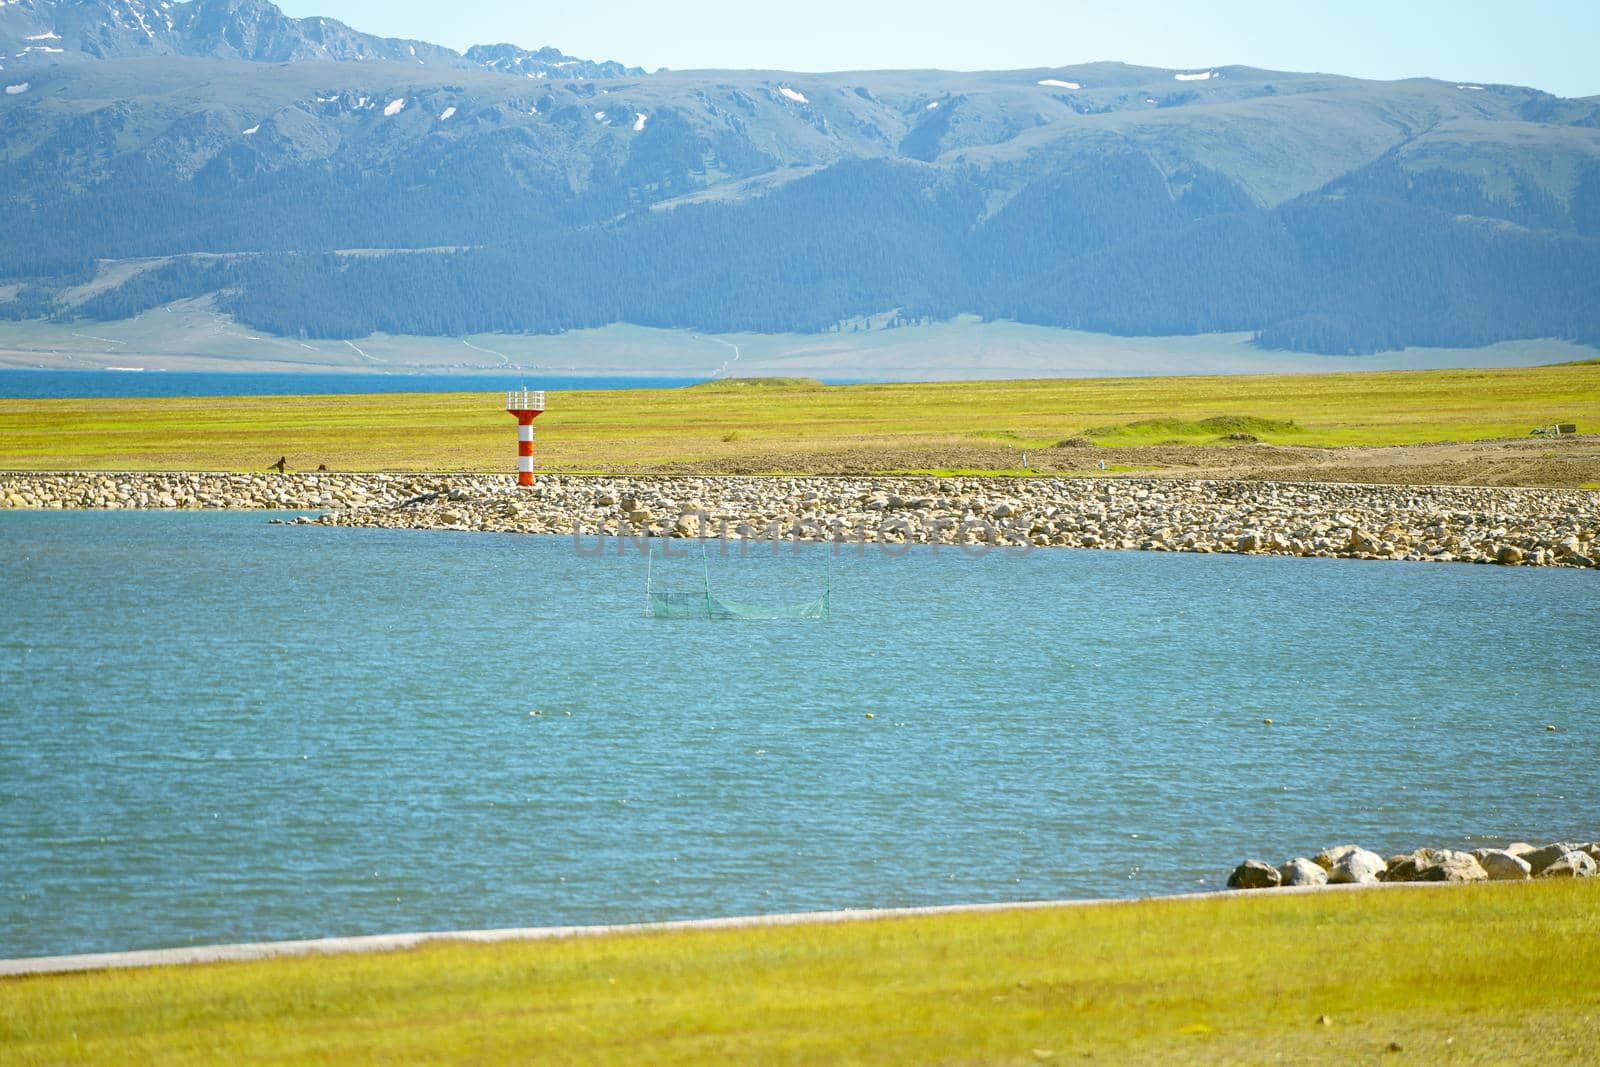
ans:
(1466, 974)
(789, 427)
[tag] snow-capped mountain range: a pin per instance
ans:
(33, 31)
(220, 152)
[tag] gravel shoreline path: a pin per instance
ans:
(1472, 524)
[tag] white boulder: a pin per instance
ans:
(1571, 865)
(1302, 871)
(1358, 867)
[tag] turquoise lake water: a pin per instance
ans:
(28, 382)
(214, 729)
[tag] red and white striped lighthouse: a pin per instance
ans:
(526, 406)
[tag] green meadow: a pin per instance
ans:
(1489, 973)
(791, 424)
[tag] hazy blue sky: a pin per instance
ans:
(1548, 44)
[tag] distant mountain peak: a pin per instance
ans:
(254, 30)
(545, 63)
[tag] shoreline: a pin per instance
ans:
(330, 946)
(1473, 524)
(1334, 869)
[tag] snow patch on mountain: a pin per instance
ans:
(13, 90)
(791, 94)
(1057, 83)
(395, 106)
(639, 118)
(1201, 77)
(444, 116)
(138, 17)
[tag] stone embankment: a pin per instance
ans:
(1514, 526)
(1354, 865)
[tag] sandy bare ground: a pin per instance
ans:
(1568, 462)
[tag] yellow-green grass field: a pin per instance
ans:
(1495, 973)
(789, 426)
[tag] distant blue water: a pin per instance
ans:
(214, 729)
(18, 382)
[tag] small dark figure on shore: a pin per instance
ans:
(283, 461)
(322, 466)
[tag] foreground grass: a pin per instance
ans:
(789, 427)
(1460, 974)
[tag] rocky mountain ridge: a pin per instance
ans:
(336, 185)
(253, 30)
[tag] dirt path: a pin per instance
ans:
(1565, 463)
(1569, 462)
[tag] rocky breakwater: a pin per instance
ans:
(1354, 865)
(320, 491)
(1442, 524)
(1510, 526)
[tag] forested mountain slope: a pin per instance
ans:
(326, 183)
